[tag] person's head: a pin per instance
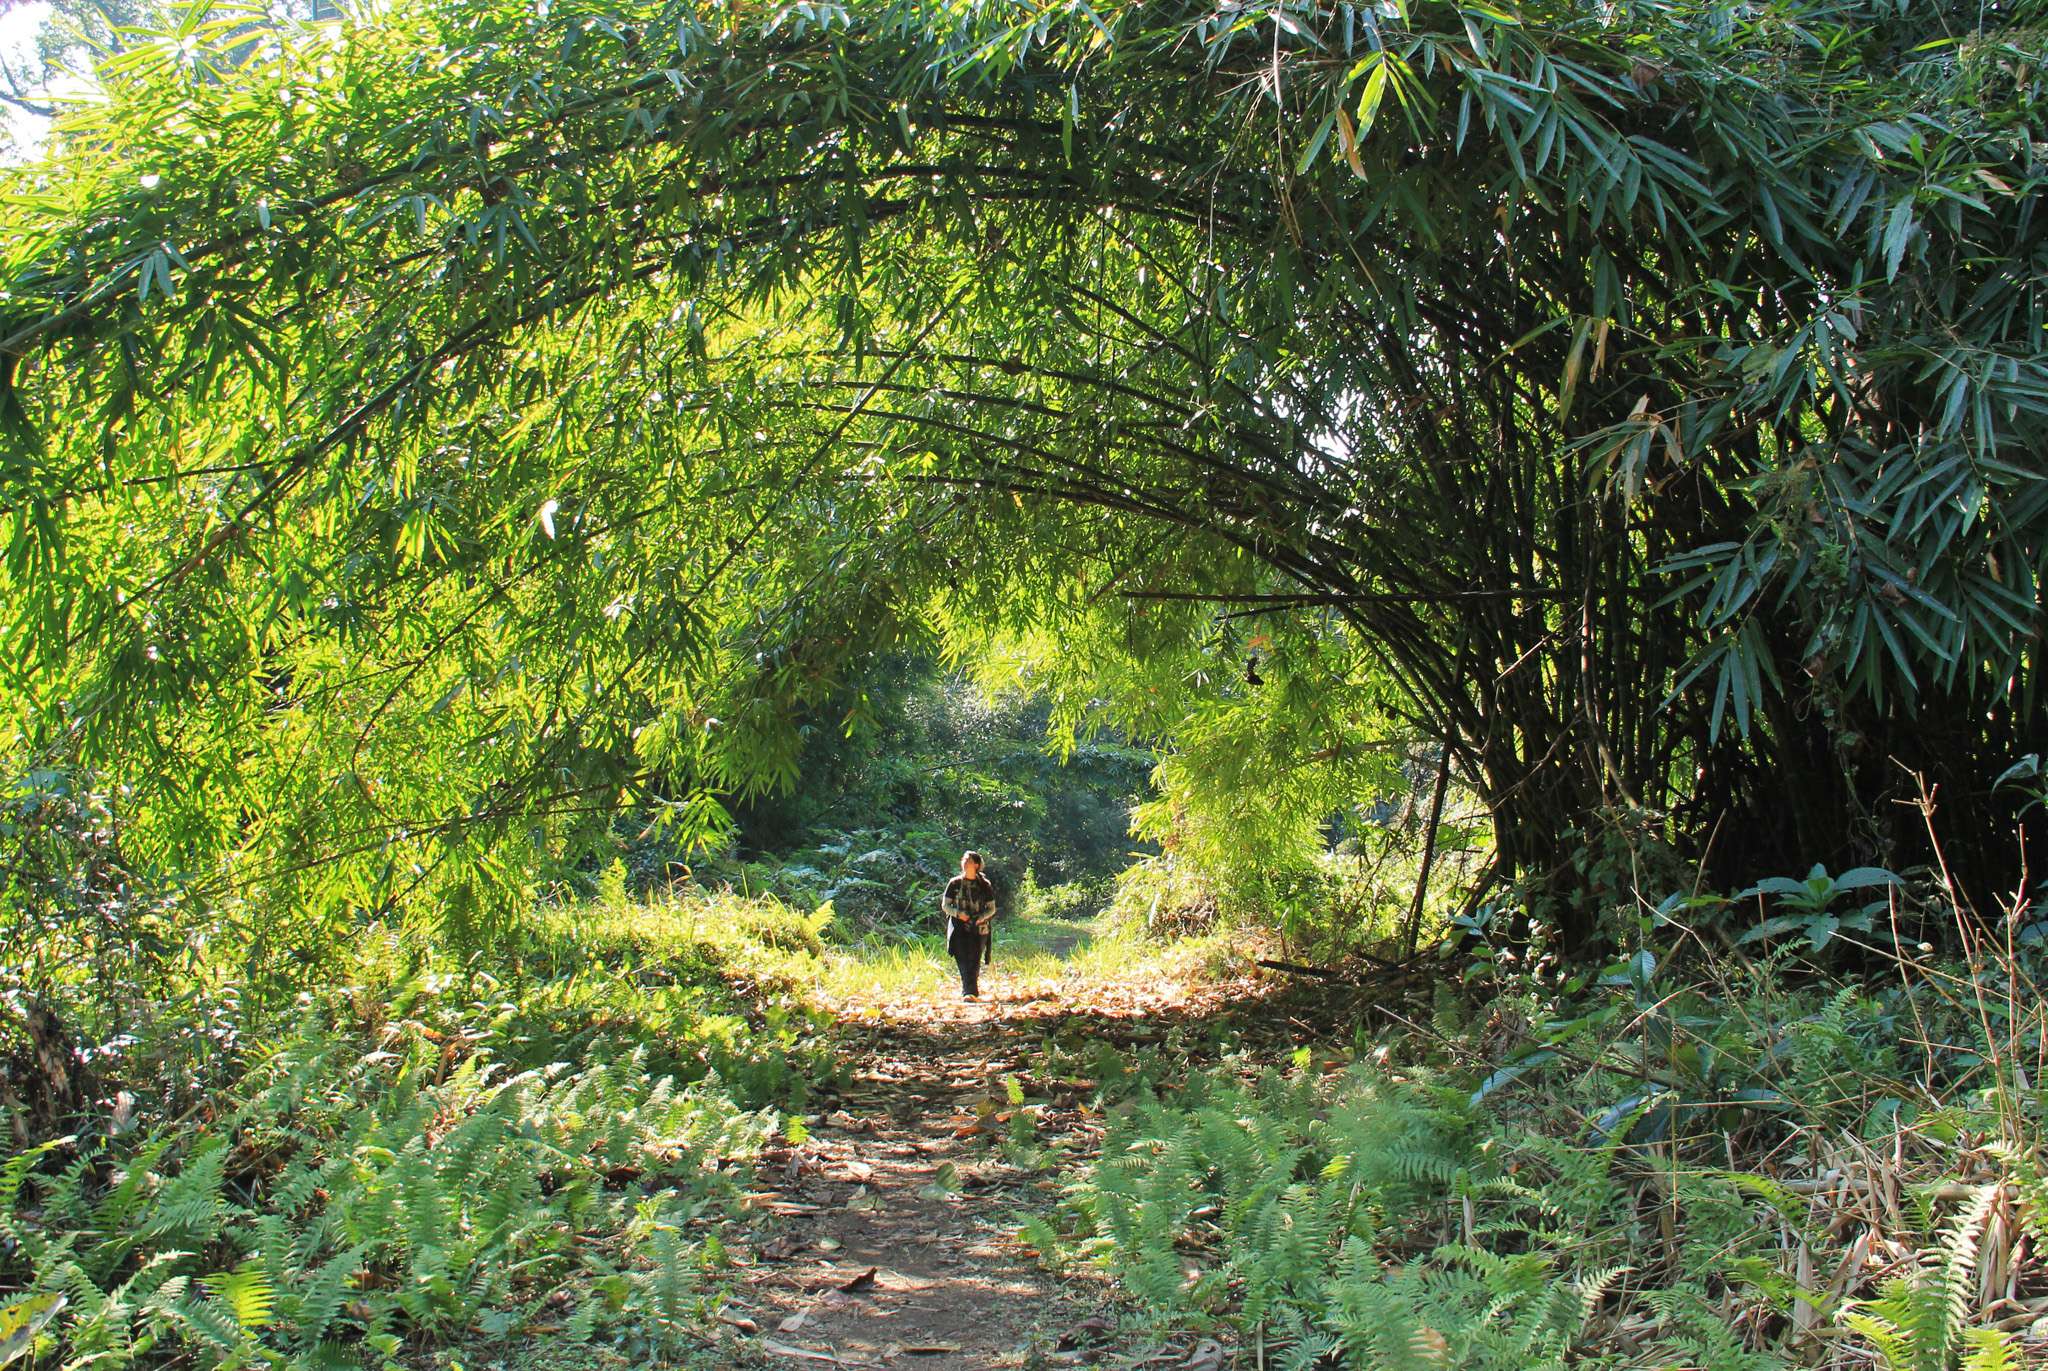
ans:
(970, 863)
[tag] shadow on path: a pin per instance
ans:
(895, 1242)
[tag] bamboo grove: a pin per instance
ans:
(1642, 401)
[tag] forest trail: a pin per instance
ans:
(890, 1238)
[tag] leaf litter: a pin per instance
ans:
(902, 1201)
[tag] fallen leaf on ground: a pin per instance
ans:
(743, 1324)
(864, 1281)
(775, 1205)
(793, 1322)
(783, 1349)
(931, 1349)
(781, 1247)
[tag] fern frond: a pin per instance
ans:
(1959, 1261)
(1591, 1288)
(246, 1293)
(1989, 1349)
(212, 1325)
(1907, 1323)
(321, 1297)
(14, 1172)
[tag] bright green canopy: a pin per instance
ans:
(430, 431)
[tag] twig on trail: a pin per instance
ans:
(1320, 973)
(1383, 970)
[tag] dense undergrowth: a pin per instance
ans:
(247, 1132)
(1704, 1158)
(1732, 1164)
(1607, 468)
(1777, 1129)
(434, 1154)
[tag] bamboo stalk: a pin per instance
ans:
(1436, 814)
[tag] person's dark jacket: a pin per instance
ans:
(969, 904)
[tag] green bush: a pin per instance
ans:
(773, 924)
(1164, 896)
(446, 1149)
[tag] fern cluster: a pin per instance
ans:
(1926, 1320)
(364, 1191)
(1373, 1221)
(1364, 1224)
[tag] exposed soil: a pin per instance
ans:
(892, 1242)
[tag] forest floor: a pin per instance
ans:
(890, 1232)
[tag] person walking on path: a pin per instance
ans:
(969, 905)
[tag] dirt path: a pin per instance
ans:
(894, 1240)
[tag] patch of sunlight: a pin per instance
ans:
(1035, 958)
(1048, 958)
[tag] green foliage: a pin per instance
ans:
(1367, 1219)
(1165, 897)
(370, 1182)
(1810, 902)
(1300, 803)
(434, 1147)
(1656, 1173)
(331, 536)
(1910, 1324)
(705, 985)
(930, 768)
(82, 926)
(1255, 776)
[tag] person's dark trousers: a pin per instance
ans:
(966, 949)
